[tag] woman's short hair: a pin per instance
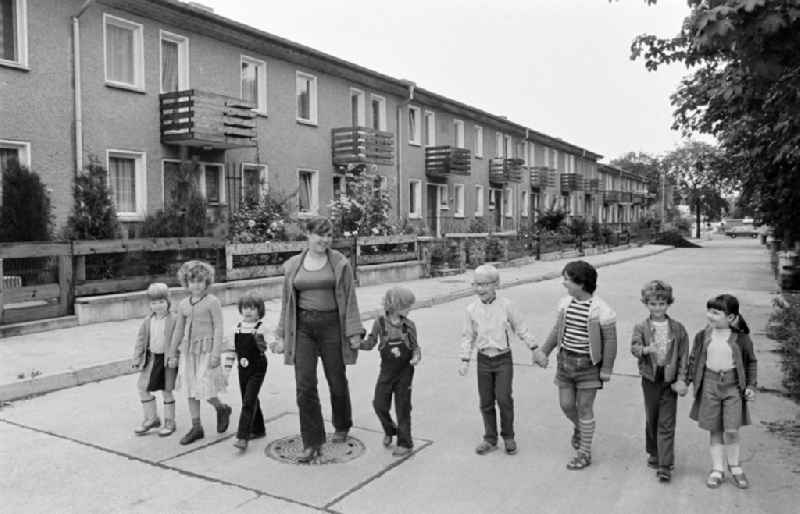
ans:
(583, 274)
(398, 298)
(159, 291)
(252, 300)
(195, 270)
(657, 290)
(319, 226)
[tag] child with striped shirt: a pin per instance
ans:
(586, 334)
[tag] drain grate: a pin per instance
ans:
(288, 448)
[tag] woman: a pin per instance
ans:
(319, 317)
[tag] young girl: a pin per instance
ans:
(154, 336)
(198, 340)
(396, 336)
(252, 363)
(723, 368)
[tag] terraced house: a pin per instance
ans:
(142, 85)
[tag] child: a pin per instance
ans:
(489, 319)
(662, 347)
(198, 340)
(586, 334)
(396, 336)
(722, 367)
(154, 336)
(252, 363)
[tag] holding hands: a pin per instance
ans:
(214, 361)
(539, 358)
(749, 394)
(355, 342)
(172, 362)
(276, 345)
(680, 387)
(463, 367)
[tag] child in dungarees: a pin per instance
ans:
(252, 364)
(396, 336)
(152, 341)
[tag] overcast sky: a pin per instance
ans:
(561, 67)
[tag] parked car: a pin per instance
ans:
(746, 230)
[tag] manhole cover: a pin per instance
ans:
(288, 448)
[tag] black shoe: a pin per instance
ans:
(387, 441)
(193, 435)
(340, 436)
(257, 435)
(511, 446)
(223, 418)
(664, 474)
(652, 461)
(308, 455)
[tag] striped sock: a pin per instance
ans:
(586, 427)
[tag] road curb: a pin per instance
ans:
(49, 383)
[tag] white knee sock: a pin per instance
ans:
(717, 456)
(732, 450)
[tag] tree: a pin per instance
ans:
(185, 213)
(743, 91)
(93, 214)
(26, 213)
(365, 208)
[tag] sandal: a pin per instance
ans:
(575, 442)
(714, 479)
(579, 461)
(739, 479)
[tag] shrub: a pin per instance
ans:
(260, 221)
(26, 213)
(93, 214)
(785, 327)
(478, 226)
(673, 238)
(551, 219)
(185, 214)
(365, 208)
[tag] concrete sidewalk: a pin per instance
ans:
(47, 361)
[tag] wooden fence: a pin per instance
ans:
(44, 296)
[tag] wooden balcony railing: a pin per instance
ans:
(611, 196)
(362, 145)
(592, 185)
(503, 170)
(638, 198)
(541, 176)
(441, 161)
(625, 197)
(199, 118)
(571, 182)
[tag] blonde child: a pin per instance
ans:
(152, 340)
(722, 367)
(661, 345)
(396, 336)
(198, 341)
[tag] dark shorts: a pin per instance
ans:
(720, 406)
(576, 371)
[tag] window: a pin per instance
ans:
(444, 203)
(358, 113)
(526, 153)
(17, 151)
(458, 133)
(14, 33)
(508, 202)
(554, 156)
(492, 199)
(339, 187)
(254, 181)
(174, 62)
(212, 186)
(124, 52)
(478, 200)
(306, 98)
(254, 83)
(430, 128)
(478, 141)
(458, 200)
(498, 141)
(414, 126)
(126, 179)
(531, 153)
(525, 204)
(414, 199)
(378, 108)
(209, 177)
(308, 191)
(508, 145)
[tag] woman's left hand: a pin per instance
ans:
(749, 394)
(213, 361)
(355, 342)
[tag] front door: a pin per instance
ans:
(432, 209)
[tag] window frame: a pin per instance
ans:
(204, 182)
(444, 200)
(416, 194)
(493, 198)
(382, 121)
(263, 176)
(361, 106)
(201, 181)
(183, 59)
(21, 37)
(508, 200)
(458, 134)
(429, 133)
(23, 149)
(525, 203)
(508, 146)
(479, 200)
(138, 84)
(312, 98)
(261, 76)
(140, 182)
(458, 200)
(313, 195)
(415, 138)
(478, 150)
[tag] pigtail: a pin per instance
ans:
(739, 325)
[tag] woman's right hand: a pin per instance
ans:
(276, 346)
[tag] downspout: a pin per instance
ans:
(399, 154)
(76, 73)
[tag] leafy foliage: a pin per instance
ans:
(93, 214)
(263, 220)
(185, 214)
(26, 213)
(364, 209)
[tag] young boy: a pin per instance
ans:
(486, 327)
(662, 346)
(586, 334)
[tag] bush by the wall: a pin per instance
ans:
(185, 214)
(93, 213)
(785, 327)
(26, 213)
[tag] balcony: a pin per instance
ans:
(541, 176)
(441, 161)
(625, 197)
(502, 171)
(592, 185)
(571, 182)
(638, 198)
(362, 145)
(206, 120)
(611, 196)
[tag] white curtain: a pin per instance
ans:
(304, 192)
(303, 98)
(169, 66)
(7, 30)
(119, 54)
(250, 83)
(122, 173)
